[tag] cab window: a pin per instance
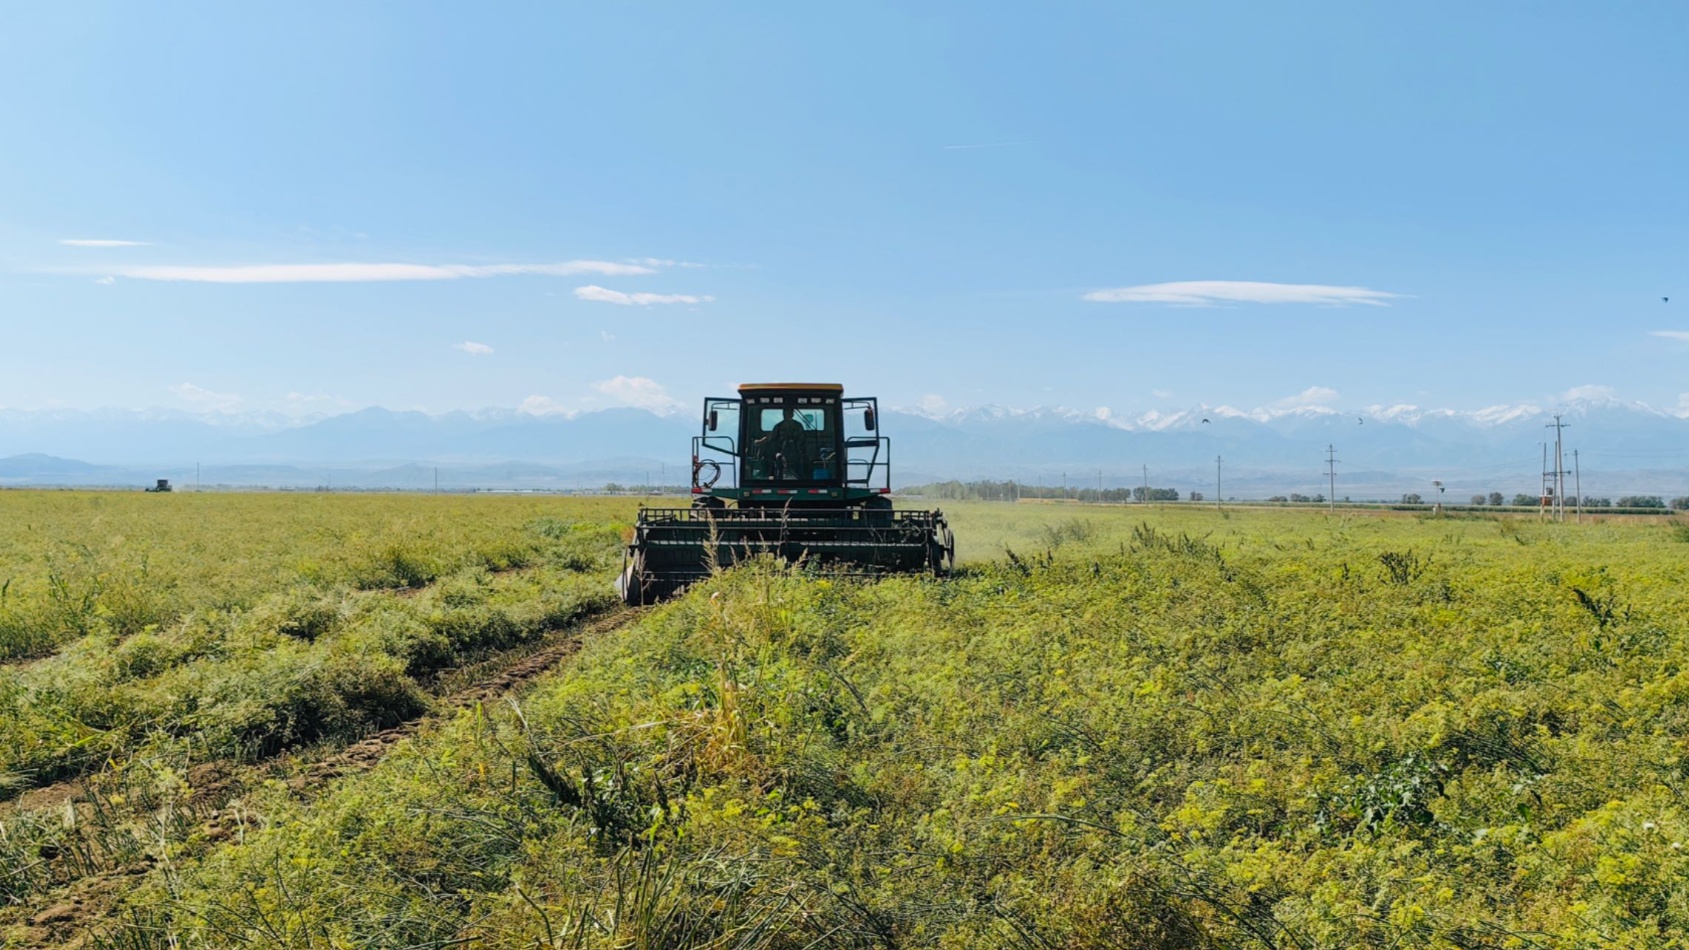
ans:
(792, 441)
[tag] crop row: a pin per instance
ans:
(75, 564)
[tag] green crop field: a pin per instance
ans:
(305, 721)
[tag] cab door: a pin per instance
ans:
(867, 453)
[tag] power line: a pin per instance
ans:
(1560, 472)
(1331, 473)
(1577, 475)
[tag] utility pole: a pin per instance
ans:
(1559, 469)
(1577, 476)
(1217, 495)
(196, 476)
(1145, 499)
(436, 479)
(1542, 500)
(1331, 477)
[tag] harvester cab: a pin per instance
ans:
(794, 470)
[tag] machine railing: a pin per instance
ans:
(863, 472)
(715, 462)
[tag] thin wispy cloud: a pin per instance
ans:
(100, 242)
(543, 406)
(1680, 335)
(1590, 392)
(639, 392)
(1208, 293)
(365, 273)
(1312, 396)
(473, 348)
(295, 403)
(636, 392)
(606, 295)
(204, 399)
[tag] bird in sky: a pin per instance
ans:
(1359, 421)
(1205, 422)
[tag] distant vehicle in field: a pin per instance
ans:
(795, 470)
(163, 485)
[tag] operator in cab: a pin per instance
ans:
(786, 439)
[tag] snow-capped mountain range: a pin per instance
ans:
(1622, 446)
(1160, 420)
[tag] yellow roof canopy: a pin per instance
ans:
(807, 387)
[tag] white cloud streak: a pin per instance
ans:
(363, 273)
(606, 295)
(1208, 293)
(665, 262)
(473, 348)
(1679, 335)
(100, 242)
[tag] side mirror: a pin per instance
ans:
(713, 420)
(868, 421)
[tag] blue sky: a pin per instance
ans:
(959, 203)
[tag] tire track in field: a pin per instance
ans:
(365, 753)
(68, 916)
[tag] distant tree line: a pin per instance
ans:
(987, 490)
(1523, 500)
(1010, 490)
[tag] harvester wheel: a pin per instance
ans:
(876, 509)
(941, 551)
(631, 584)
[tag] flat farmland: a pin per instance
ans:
(419, 721)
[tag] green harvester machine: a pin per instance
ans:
(793, 470)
